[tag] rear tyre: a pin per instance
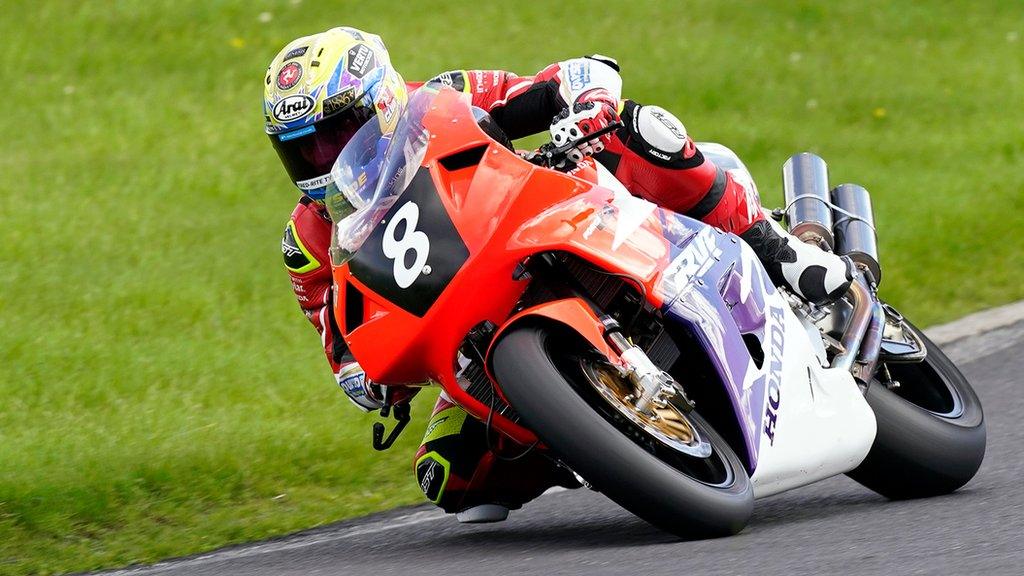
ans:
(540, 374)
(931, 430)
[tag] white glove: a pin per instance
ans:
(593, 110)
(366, 395)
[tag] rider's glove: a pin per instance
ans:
(366, 395)
(592, 111)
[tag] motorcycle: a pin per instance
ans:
(647, 352)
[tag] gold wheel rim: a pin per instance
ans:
(667, 423)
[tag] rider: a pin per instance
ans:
(320, 89)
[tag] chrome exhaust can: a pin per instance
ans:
(808, 213)
(855, 228)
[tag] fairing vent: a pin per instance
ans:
(755, 348)
(353, 308)
(465, 159)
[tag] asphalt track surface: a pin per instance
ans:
(833, 527)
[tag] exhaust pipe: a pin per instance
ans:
(854, 228)
(860, 321)
(841, 220)
(808, 203)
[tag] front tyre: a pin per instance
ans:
(931, 430)
(692, 497)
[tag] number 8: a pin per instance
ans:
(412, 239)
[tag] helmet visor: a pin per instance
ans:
(309, 152)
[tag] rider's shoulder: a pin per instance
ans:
(309, 218)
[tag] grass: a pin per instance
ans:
(162, 395)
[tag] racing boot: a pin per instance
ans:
(817, 276)
(475, 473)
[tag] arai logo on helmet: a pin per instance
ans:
(293, 107)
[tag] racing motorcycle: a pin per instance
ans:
(647, 352)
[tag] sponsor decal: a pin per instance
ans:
(428, 475)
(353, 385)
(479, 80)
(386, 104)
(296, 133)
(296, 259)
(339, 101)
(579, 74)
(360, 60)
(659, 154)
(289, 248)
(599, 221)
(432, 474)
(288, 76)
(775, 343)
(295, 53)
(300, 290)
(673, 127)
(434, 425)
(454, 79)
(314, 183)
(697, 258)
(293, 107)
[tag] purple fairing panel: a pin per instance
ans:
(716, 287)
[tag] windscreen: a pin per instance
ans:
(371, 172)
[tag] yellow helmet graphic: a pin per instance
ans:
(319, 90)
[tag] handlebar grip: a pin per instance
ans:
(551, 155)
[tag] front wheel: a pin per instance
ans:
(549, 377)
(931, 429)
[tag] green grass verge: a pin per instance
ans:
(161, 393)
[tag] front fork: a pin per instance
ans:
(652, 385)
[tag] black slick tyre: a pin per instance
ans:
(931, 430)
(529, 364)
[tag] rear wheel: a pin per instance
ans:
(931, 429)
(672, 470)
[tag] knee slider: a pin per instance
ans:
(662, 134)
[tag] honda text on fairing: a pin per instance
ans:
(647, 353)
